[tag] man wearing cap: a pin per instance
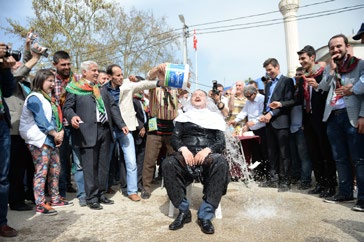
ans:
(360, 34)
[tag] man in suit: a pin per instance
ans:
(92, 113)
(279, 89)
(345, 119)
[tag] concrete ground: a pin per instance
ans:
(249, 214)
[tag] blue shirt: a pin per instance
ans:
(40, 119)
(271, 90)
(115, 93)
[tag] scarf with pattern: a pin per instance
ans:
(56, 109)
(64, 82)
(348, 65)
(83, 87)
(316, 70)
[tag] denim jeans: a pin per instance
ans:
(126, 143)
(64, 153)
(301, 162)
(347, 143)
(78, 173)
(5, 142)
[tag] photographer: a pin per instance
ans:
(198, 140)
(20, 158)
(7, 85)
(220, 101)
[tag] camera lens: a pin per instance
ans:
(14, 53)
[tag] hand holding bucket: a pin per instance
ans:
(176, 75)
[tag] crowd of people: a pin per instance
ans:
(103, 128)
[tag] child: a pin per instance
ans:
(41, 128)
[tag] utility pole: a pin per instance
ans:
(185, 35)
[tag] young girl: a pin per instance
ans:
(41, 128)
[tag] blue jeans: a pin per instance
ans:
(5, 142)
(347, 143)
(301, 163)
(64, 153)
(126, 143)
(78, 173)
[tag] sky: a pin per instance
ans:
(229, 56)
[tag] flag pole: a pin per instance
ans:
(196, 87)
(195, 47)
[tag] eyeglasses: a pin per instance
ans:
(249, 95)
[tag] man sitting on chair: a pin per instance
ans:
(198, 139)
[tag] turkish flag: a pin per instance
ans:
(194, 40)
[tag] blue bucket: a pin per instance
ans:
(177, 76)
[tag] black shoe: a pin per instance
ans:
(181, 219)
(95, 206)
(328, 192)
(295, 181)
(359, 206)
(124, 192)
(317, 190)
(105, 200)
(304, 186)
(338, 198)
(21, 207)
(145, 194)
(283, 188)
(70, 189)
(206, 226)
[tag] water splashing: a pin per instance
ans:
(235, 156)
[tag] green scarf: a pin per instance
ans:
(56, 109)
(84, 87)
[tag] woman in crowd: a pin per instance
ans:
(41, 128)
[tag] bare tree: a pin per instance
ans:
(101, 31)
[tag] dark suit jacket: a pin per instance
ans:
(283, 92)
(85, 107)
(318, 101)
(140, 116)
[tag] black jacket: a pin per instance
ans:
(197, 138)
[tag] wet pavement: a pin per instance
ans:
(249, 214)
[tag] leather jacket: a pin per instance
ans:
(197, 138)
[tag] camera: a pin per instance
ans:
(14, 53)
(214, 88)
(265, 78)
(33, 37)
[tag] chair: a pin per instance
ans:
(218, 212)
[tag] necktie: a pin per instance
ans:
(102, 117)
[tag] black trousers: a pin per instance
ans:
(278, 151)
(319, 148)
(95, 163)
(215, 178)
(21, 166)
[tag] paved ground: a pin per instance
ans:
(249, 214)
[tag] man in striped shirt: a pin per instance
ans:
(163, 104)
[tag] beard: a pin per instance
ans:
(341, 57)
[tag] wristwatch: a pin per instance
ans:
(220, 105)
